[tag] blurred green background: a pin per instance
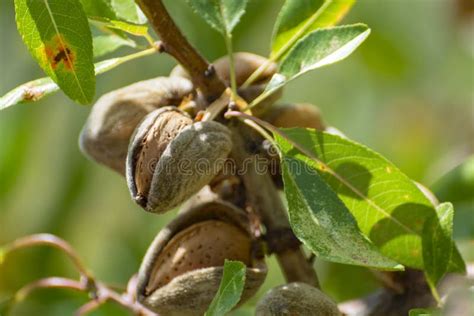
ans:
(407, 93)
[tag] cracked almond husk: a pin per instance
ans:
(183, 267)
(114, 117)
(171, 158)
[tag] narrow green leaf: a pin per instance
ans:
(319, 48)
(125, 10)
(323, 47)
(29, 92)
(388, 206)
(39, 88)
(131, 28)
(98, 8)
(230, 289)
(424, 312)
(438, 243)
(457, 264)
(128, 11)
(320, 219)
(222, 15)
(300, 17)
(105, 44)
(458, 184)
(62, 51)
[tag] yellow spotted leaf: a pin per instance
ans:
(57, 34)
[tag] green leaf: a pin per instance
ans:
(457, 263)
(230, 289)
(438, 244)
(222, 15)
(105, 44)
(388, 206)
(57, 34)
(424, 312)
(319, 48)
(134, 29)
(29, 92)
(125, 10)
(299, 17)
(458, 184)
(128, 11)
(322, 47)
(39, 88)
(98, 8)
(320, 219)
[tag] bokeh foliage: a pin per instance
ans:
(407, 93)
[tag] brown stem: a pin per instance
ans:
(261, 193)
(264, 198)
(414, 293)
(52, 241)
(175, 44)
(90, 306)
(51, 282)
(98, 291)
(134, 307)
(103, 294)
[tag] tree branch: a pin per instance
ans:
(175, 44)
(411, 292)
(264, 198)
(260, 191)
(52, 241)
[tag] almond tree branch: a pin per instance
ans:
(175, 44)
(98, 291)
(414, 293)
(51, 282)
(52, 241)
(261, 192)
(264, 198)
(90, 306)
